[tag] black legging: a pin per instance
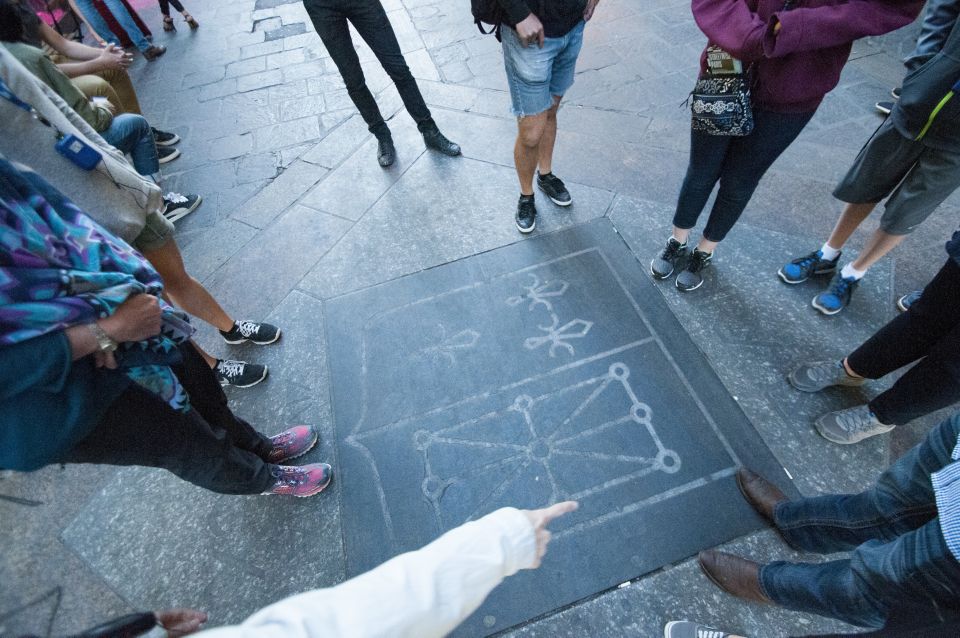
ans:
(929, 333)
(165, 7)
(330, 19)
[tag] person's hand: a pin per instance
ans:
(180, 622)
(103, 359)
(137, 318)
(541, 518)
(530, 31)
(590, 8)
(113, 58)
(110, 106)
(777, 27)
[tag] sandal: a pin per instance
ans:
(168, 24)
(191, 21)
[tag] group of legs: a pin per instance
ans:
(101, 31)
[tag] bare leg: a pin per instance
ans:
(879, 244)
(707, 246)
(184, 290)
(549, 138)
(681, 234)
(851, 218)
(526, 152)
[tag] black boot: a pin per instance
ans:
(386, 151)
(436, 140)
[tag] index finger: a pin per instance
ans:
(557, 510)
(540, 37)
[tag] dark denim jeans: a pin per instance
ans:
(898, 553)
(330, 19)
(132, 134)
(738, 163)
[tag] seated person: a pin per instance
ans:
(96, 72)
(96, 368)
(128, 132)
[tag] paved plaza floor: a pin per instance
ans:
(454, 366)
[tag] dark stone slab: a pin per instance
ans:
(546, 370)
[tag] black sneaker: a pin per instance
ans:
(837, 296)
(166, 154)
(164, 138)
(812, 265)
(526, 214)
(663, 265)
(436, 140)
(691, 277)
(884, 107)
(895, 93)
(239, 374)
(554, 188)
(179, 206)
(386, 151)
(904, 302)
(259, 333)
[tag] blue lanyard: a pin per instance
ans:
(8, 95)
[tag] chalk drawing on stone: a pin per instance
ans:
(512, 444)
(540, 293)
(559, 336)
(447, 347)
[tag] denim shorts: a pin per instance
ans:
(156, 232)
(537, 75)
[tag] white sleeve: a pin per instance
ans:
(419, 594)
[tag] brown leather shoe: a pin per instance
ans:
(154, 52)
(734, 575)
(759, 492)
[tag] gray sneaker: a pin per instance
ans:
(813, 377)
(666, 262)
(850, 426)
(687, 629)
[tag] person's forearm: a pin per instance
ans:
(67, 48)
(83, 343)
(76, 69)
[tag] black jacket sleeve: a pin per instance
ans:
(517, 10)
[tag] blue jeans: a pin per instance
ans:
(538, 75)
(938, 22)
(898, 553)
(132, 134)
(124, 19)
(738, 163)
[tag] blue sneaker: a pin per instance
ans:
(904, 302)
(813, 265)
(837, 296)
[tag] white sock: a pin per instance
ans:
(829, 253)
(849, 271)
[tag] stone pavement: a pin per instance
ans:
(297, 214)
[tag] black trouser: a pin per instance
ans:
(330, 18)
(928, 332)
(165, 6)
(207, 446)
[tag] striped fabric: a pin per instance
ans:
(946, 487)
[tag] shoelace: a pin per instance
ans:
(175, 198)
(841, 287)
(230, 368)
(248, 328)
(698, 261)
(826, 372)
(672, 250)
(856, 420)
(809, 260)
(291, 476)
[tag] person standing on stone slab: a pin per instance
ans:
(902, 535)
(101, 30)
(541, 44)
(331, 19)
(912, 161)
(928, 334)
(793, 52)
(95, 367)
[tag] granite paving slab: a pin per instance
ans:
(543, 371)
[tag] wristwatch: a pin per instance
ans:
(105, 342)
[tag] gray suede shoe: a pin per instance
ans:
(850, 426)
(813, 377)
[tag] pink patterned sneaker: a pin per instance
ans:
(292, 443)
(305, 480)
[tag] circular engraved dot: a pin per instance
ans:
(432, 486)
(539, 450)
(619, 371)
(421, 438)
(489, 621)
(669, 461)
(639, 412)
(523, 402)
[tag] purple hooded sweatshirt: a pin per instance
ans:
(796, 68)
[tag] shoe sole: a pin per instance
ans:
(259, 343)
(688, 289)
(823, 310)
(793, 282)
(313, 444)
(816, 426)
(881, 109)
(900, 306)
(169, 158)
(176, 138)
(527, 231)
(266, 372)
(558, 202)
(668, 627)
(893, 94)
(186, 211)
(656, 275)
